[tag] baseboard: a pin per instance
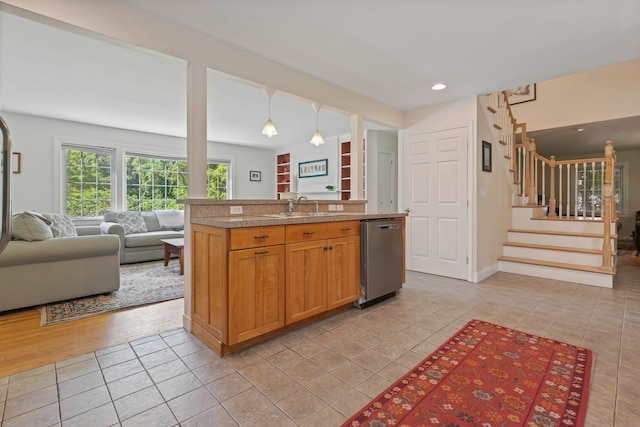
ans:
(484, 273)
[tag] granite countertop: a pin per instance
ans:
(276, 219)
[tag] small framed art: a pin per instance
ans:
(486, 156)
(255, 176)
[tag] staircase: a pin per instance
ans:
(563, 215)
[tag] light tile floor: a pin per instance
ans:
(323, 373)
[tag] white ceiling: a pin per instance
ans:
(389, 51)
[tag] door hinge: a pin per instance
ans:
(467, 260)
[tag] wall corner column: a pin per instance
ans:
(357, 157)
(196, 165)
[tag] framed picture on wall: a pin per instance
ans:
(521, 94)
(313, 168)
(255, 175)
(486, 156)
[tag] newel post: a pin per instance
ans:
(607, 193)
(552, 187)
(531, 189)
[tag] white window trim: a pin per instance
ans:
(121, 148)
(625, 189)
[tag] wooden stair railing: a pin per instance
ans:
(581, 188)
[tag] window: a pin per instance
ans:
(155, 182)
(91, 183)
(88, 179)
(590, 191)
(217, 174)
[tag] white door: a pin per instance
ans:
(386, 181)
(435, 192)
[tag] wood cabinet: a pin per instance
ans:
(323, 268)
(238, 283)
(254, 282)
(256, 292)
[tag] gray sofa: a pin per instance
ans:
(40, 272)
(142, 243)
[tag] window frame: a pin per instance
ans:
(118, 190)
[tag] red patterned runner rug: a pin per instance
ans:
(488, 375)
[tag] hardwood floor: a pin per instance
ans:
(628, 257)
(24, 344)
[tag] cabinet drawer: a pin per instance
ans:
(323, 230)
(255, 237)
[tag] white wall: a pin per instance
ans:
(493, 197)
(605, 93)
(34, 137)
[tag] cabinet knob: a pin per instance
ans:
(308, 233)
(264, 236)
(345, 229)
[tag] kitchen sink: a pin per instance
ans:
(300, 214)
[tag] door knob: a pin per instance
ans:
(407, 210)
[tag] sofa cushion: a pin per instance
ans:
(172, 219)
(132, 222)
(31, 226)
(151, 220)
(151, 238)
(61, 225)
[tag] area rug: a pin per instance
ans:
(488, 375)
(140, 284)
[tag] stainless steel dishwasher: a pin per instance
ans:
(380, 260)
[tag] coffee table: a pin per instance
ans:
(174, 246)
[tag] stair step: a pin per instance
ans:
(602, 270)
(555, 233)
(554, 248)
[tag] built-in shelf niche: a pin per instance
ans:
(283, 165)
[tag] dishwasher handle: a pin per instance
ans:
(387, 227)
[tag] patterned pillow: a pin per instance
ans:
(61, 225)
(132, 222)
(31, 226)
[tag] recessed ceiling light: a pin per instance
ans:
(579, 129)
(438, 86)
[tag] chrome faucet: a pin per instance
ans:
(292, 206)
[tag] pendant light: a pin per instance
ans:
(317, 136)
(269, 129)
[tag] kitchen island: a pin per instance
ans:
(257, 275)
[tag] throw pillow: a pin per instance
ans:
(31, 227)
(110, 216)
(61, 225)
(132, 222)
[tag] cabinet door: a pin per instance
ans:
(343, 266)
(256, 292)
(306, 288)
